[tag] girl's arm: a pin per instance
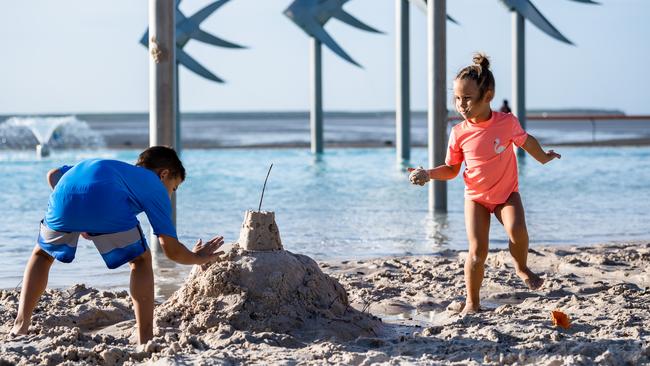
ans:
(441, 172)
(532, 146)
(444, 172)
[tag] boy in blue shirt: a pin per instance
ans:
(99, 199)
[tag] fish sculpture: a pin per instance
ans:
(188, 28)
(530, 12)
(311, 16)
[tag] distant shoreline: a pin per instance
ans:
(645, 141)
(290, 130)
(194, 145)
(108, 116)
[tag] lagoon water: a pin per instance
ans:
(350, 203)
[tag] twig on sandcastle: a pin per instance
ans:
(366, 304)
(259, 208)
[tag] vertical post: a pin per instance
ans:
(177, 125)
(519, 70)
(403, 70)
(162, 80)
(437, 98)
(177, 145)
(316, 97)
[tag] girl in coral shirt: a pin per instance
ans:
(484, 142)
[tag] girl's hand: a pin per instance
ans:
(419, 176)
(550, 155)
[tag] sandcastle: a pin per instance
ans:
(259, 232)
(260, 287)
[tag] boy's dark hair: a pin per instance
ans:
(479, 72)
(162, 157)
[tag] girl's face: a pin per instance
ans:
(467, 101)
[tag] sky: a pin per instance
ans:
(83, 56)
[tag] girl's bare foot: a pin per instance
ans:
(462, 308)
(532, 280)
(470, 310)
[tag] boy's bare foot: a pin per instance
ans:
(532, 280)
(19, 329)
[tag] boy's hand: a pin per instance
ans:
(550, 155)
(209, 249)
(419, 176)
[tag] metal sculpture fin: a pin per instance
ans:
(318, 32)
(352, 21)
(202, 14)
(145, 38)
(422, 5)
(588, 2)
(215, 41)
(187, 61)
(530, 12)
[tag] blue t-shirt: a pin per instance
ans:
(104, 196)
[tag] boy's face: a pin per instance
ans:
(467, 101)
(170, 182)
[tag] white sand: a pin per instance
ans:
(241, 311)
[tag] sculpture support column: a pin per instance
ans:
(402, 73)
(437, 99)
(162, 81)
(316, 97)
(519, 71)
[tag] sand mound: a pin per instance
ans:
(266, 291)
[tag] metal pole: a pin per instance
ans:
(316, 115)
(162, 80)
(177, 145)
(519, 70)
(177, 124)
(403, 95)
(437, 99)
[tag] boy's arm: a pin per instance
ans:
(202, 253)
(53, 177)
(532, 146)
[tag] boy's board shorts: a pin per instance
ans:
(116, 248)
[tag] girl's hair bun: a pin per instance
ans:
(480, 72)
(482, 60)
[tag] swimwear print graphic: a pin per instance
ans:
(497, 148)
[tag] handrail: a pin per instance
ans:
(572, 117)
(592, 118)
